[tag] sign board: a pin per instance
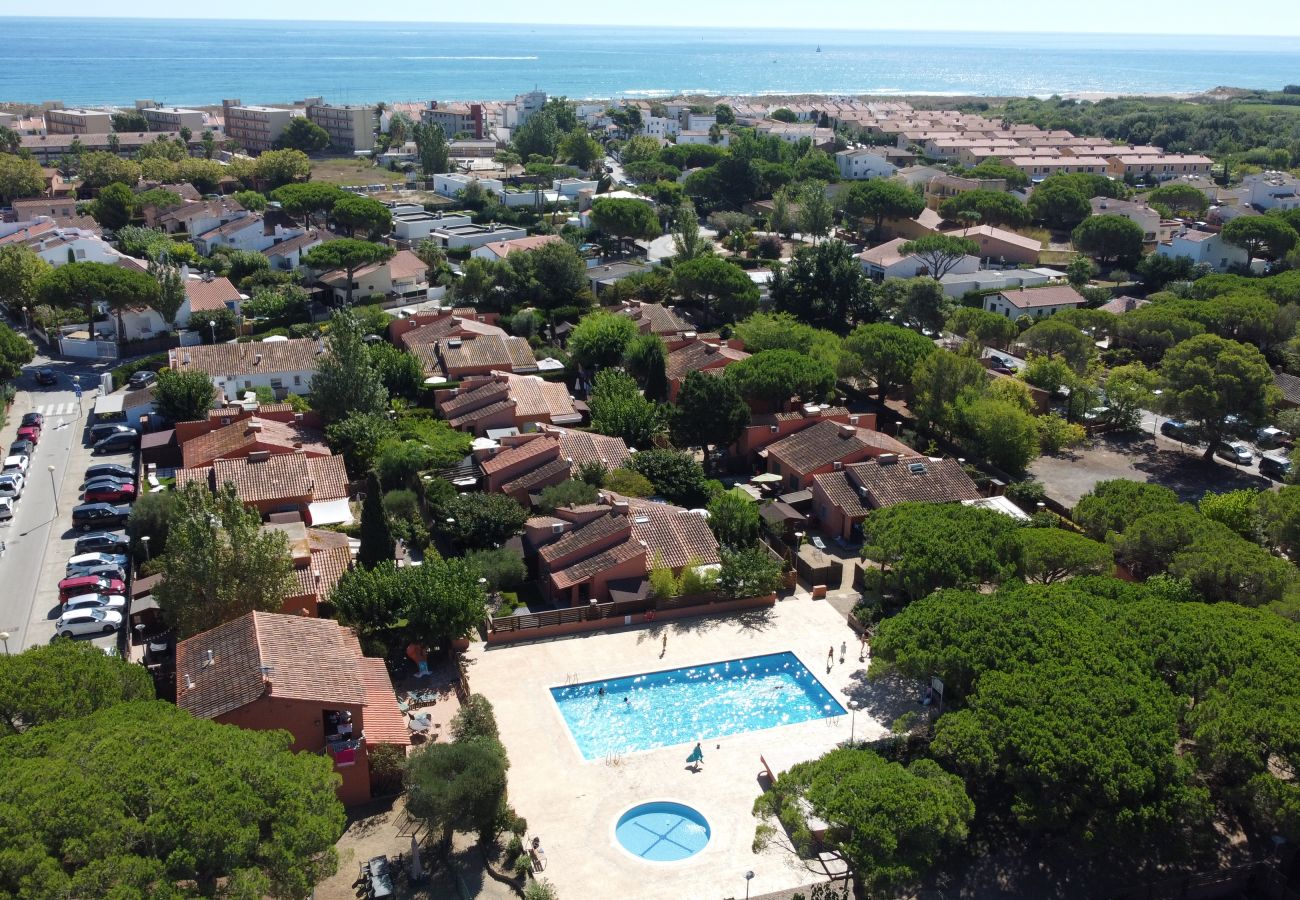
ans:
(936, 685)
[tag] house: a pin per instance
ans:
(319, 560)
(413, 224)
(1036, 303)
(700, 356)
(1001, 246)
(286, 255)
(306, 676)
(1288, 389)
(601, 277)
(826, 446)
(457, 358)
(499, 250)
(58, 244)
(427, 327)
(887, 261)
(998, 280)
(1204, 248)
(313, 487)
(1124, 304)
(505, 400)
(928, 222)
(654, 318)
(1161, 167)
(570, 188)
(284, 366)
(1142, 215)
(451, 184)
(768, 428)
(44, 207)
(404, 275)
(843, 499)
(583, 552)
(248, 233)
(246, 436)
(468, 237)
(255, 128)
(205, 294)
(945, 185)
(1268, 190)
(194, 218)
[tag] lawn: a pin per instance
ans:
(345, 171)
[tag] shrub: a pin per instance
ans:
(504, 569)
(1054, 433)
(1027, 494)
(402, 504)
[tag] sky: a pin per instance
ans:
(1274, 18)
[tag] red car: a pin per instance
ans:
(30, 433)
(89, 584)
(110, 492)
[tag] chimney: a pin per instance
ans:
(208, 659)
(847, 431)
(259, 456)
(887, 459)
(254, 426)
(620, 507)
(257, 359)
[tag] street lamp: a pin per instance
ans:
(145, 540)
(749, 876)
(54, 487)
(212, 323)
(4, 636)
(25, 323)
(853, 720)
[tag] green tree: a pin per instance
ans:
(1235, 509)
(431, 145)
(10, 141)
(982, 326)
(1111, 240)
(346, 382)
(1224, 568)
(923, 547)
(1179, 200)
(998, 430)
(1264, 236)
(1052, 554)
(15, 352)
(993, 169)
(824, 286)
(1059, 205)
(249, 200)
(114, 206)
(183, 396)
(880, 199)
(21, 273)
(363, 214)
(601, 339)
(772, 377)
(19, 177)
(573, 492)
(171, 290)
(915, 302)
(503, 568)
(619, 410)
(992, 207)
(552, 277)
(346, 254)
(628, 483)
(816, 214)
(64, 680)
(1112, 506)
(781, 114)
(716, 288)
(1129, 390)
(482, 520)
(623, 219)
(748, 572)
(84, 283)
(938, 380)
(304, 201)
(940, 252)
(886, 354)
(376, 537)
(646, 360)
(710, 413)
(478, 285)
(1206, 379)
(890, 823)
(279, 167)
(688, 241)
(539, 136)
(219, 564)
(1054, 338)
(460, 786)
(676, 476)
(578, 147)
(782, 331)
(734, 519)
(303, 134)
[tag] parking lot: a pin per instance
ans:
(40, 539)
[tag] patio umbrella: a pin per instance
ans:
(417, 868)
(766, 478)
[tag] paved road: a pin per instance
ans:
(38, 540)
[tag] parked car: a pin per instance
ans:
(1270, 437)
(116, 443)
(33, 418)
(91, 559)
(1275, 467)
(11, 485)
(6, 508)
(89, 584)
(46, 375)
(97, 516)
(103, 542)
(1179, 431)
(79, 622)
(106, 480)
(110, 470)
(19, 464)
(99, 570)
(22, 447)
(95, 601)
(30, 433)
(104, 429)
(1234, 452)
(141, 379)
(108, 490)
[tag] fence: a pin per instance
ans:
(594, 616)
(83, 349)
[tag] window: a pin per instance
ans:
(297, 379)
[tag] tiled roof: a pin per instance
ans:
(511, 353)
(307, 239)
(593, 565)
(492, 391)
(282, 476)
(699, 355)
(502, 249)
(403, 264)
(660, 319)
(329, 563)
(481, 413)
(884, 255)
(1289, 385)
(446, 327)
(1052, 295)
(589, 534)
(673, 536)
(917, 479)
(189, 211)
(538, 477)
(841, 493)
(997, 234)
(291, 657)
(535, 398)
(294, 355)
(234, 226)
(384, 722)
(587, 447)
(1121, 305)
(519, 453)
(237, 436)
(820, 445)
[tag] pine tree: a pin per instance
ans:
(376, 537)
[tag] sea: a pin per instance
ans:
(199, 62)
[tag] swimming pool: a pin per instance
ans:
(663, 831)
(679, 706)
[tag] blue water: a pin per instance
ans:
(99, 61)
(663, 831)
(680, 706)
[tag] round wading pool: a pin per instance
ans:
(662, 831)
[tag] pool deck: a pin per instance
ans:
(572, 804)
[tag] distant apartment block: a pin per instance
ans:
(78, 121)
(455, 118)
(351, 128)
(173, 118)
(255, 128)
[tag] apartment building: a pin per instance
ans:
(455, 118)
(173, 118)
(351, 128)
(255, 128)
(78, 121)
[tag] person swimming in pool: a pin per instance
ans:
(601, 691)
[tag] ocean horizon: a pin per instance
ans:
(98, 62)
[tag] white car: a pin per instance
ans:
(6, 508)
(11, 485)
(95, 601)
(83, 560)
(17, 464)
(88, 621)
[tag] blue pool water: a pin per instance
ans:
(680, 706)
(662, 831)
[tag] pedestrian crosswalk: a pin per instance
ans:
(57, 409)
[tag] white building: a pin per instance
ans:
(1204, 248)
(1142, 215)
(468, 237)
(247, 232)
(662, 127)
(1273, 190)
(570, 188)
(703, 137)
(451, 184)
(413, 225)
(1037, 303)
(887, 261)
(859, 164)
(284, 366)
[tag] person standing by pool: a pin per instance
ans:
(697, 757)
(665, 645)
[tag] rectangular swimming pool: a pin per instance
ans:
(680, 706)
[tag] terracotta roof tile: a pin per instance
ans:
(673, 536)
(701, 355)
(246, 433)
(384, 722)
(284, 476)
(294, 355)
(588, 447)
(916, 479)
(1289, 385)
(329, 563)
(482, 412)
(543, 475)
(591, 533)
(826, 442)
(535, 448)
(594, 565)
(506, 353)
(841, 493)
(1052, 295)
(656, 318)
